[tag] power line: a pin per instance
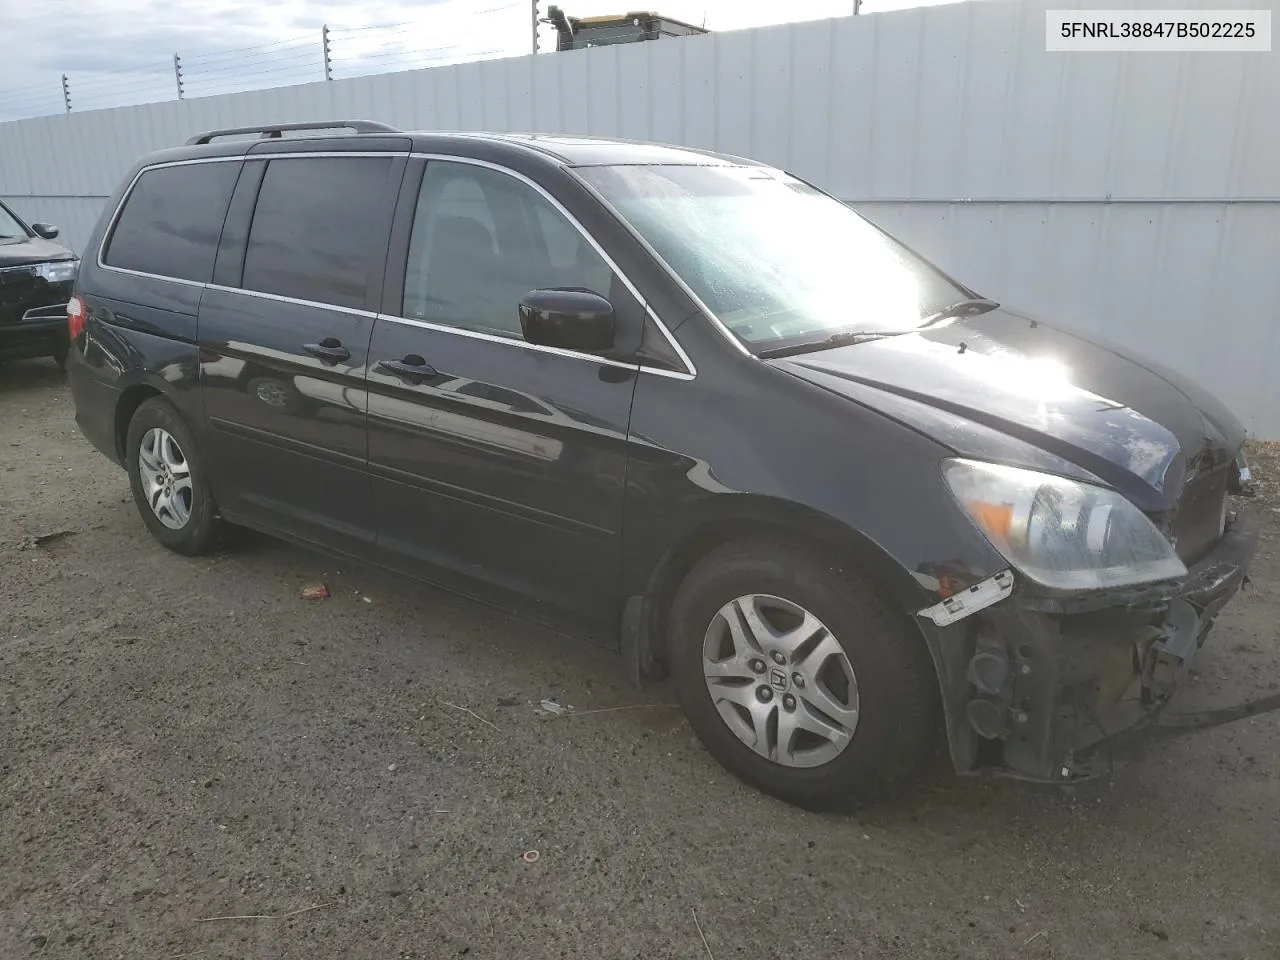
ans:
(256, 58)
(300, 69)
(53, 81)
(53, 95)
(106, 76)
(359, 69)
(81, 95)
(383, 54)
(198, 71)
(80, 91)
(405, 56)
(317, 75)
(82, 85)
(376, 26)
(218, 54)
(412, 40)
(435, 11)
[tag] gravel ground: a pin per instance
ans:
(360, 776)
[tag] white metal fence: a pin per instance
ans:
(1132, 195)
(452, 31)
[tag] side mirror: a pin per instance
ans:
(571, 319)
(46, 230)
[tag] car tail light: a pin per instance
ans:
(75, 317)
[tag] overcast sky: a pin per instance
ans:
(117, 52)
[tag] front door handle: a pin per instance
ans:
(329, 350)
(412, 369)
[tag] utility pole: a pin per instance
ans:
(66, 93)
(324, 43)
(535, 27)
(177, 73)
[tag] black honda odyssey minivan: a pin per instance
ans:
(681, 403)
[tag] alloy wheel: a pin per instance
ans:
(166, 478)
(780, 680)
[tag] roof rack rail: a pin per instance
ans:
(273, 131)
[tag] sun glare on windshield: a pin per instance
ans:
(774, 259)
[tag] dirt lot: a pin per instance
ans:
(188, 739)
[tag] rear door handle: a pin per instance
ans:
(329, 350)
(412, 368)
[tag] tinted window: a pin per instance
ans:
(317, 228)
(172, 220)
(482, 240)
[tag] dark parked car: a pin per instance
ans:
(35, 285)
(682, 403)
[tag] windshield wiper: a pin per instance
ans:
(835, 340)
(961, 308)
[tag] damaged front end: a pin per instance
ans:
(1037, 684)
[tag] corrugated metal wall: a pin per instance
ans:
(1133, 195)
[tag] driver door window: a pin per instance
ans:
(481, 240)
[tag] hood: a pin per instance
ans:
(31, 250)
(1003, 386)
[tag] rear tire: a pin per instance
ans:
(168, 482)
(871, 696)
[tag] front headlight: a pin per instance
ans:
(1060, 533)
(58, 271)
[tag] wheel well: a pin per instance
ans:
(128, 403)
(823, 532)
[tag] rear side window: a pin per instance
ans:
(315, 232)
(172, 219)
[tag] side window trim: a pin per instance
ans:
(412, 184)
(228, 264)
(124, 198)
(525, 345)
(395, 270)
(281, 298)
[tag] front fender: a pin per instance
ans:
(754, 443)
(755, 449)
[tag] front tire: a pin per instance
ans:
(168, 480)
(799, 677)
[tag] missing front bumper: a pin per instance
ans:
(1050, 682)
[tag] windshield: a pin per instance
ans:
(777, 261)
(10, 228)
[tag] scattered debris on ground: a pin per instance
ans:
(470, 711)
(553, 708)
(45, 539)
